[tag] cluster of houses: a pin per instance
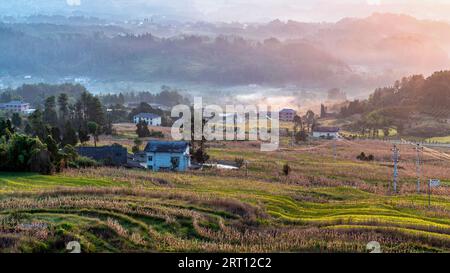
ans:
(287, 115)
(157, 156)
(323, 132)
(170, 155)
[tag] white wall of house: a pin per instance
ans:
(15, 107)
(150, 121)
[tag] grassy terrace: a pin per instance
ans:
(324, 205)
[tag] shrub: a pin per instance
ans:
(286, 169)
(156, 134)
(83, 162)
(239, 162)
(363, 157)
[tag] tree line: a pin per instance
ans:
(393, 106)
(45, 141)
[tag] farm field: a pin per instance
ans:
(325, 204)
(445, 139)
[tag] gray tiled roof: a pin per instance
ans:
(147, 115)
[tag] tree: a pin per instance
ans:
(310, 119)
(69, 136)
(37, 125)
(6, 129)
(52, 147)
(16, 120)
(200, 155)
(323, 111)
(83, 134)
(28, 130)
(23, 153)
(95, 112)
(50, 117)
(63, 106)
(56, 134)
(93, 129)
(298, 123)
(142, 129)
(137, 145)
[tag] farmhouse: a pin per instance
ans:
(115, 155)
(168, 155)
(287, 114)
(151, 119)
(326, 132)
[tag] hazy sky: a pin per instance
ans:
(233, 10)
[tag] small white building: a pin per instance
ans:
(15, 106)
(326, 132)
(150, 118)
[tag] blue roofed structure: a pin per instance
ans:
(168, 155)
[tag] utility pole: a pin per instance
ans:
(334, 149)
(429, 193)
(419, 150)
(395, 158)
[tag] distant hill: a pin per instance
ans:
(417, 106)
(355, 53)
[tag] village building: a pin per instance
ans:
(150, 118)
(168, 155)
(15, 106)
(115, 155)
(287, 114)
(326, 132)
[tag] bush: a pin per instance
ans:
(83, 162)
(239, 162)
(363, 157)
(156, 134)
(286, 169)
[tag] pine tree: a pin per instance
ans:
(63, 107)
(50, 117)
(70, 136)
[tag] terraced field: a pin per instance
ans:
(324, 205)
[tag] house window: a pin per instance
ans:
(175, 161)
(150, 158)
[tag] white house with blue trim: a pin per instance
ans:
(150, 118)
(168, 156)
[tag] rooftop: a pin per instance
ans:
(166, 146)
(287, 110)
(327, 129)
(15, 102)
(147, 115)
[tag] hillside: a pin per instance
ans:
(324, 205)
(354, 53)
(416, 106)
